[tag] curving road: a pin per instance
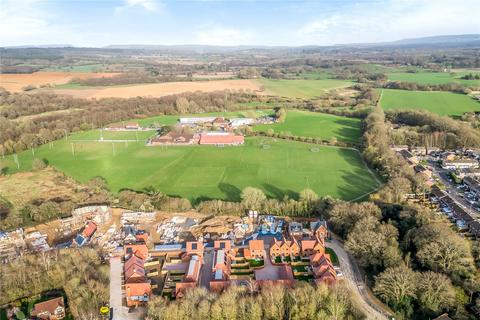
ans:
(353, 279)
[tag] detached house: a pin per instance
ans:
(323, 270)
(319, 229)
(137, 293)
(52, 309)
(255, 250)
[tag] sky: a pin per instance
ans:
(97, 23)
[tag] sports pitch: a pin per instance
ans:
(317, 125)
(208, 172)
(442, 103)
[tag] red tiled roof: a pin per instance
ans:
(138, 289)
(140, 250)
(48, 306)
(221, 139)
(255, 245)
(89, 229)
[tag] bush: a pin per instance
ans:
(38, 164)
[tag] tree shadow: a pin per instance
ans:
(231, 192)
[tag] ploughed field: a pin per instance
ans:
(278, 167)
(155, 89)
(442, 103)
(16, 82)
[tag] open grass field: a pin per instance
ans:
(443, 103)
(318, 125)
(208, 172)
(155, 89)
(301, 88)
(432, 78)
(15, 82)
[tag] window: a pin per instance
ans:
(194, 246)
(222, 245)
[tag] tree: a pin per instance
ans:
(435, 292)
(374, 244)
(253, 198)
(441, 249)
(308, 195)
(344, 215)
(397, 286)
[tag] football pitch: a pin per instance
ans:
(209, 172)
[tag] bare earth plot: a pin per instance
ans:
(15, 82)
(159, 89)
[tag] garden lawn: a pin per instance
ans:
(209, 172)
(442, 103)
(301, 88)
(317, 125)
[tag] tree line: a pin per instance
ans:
(304, 301)
(412, 86)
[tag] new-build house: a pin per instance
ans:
(137, 286)
(255, 250)
(53, 309)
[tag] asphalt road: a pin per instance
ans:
(442, 174)
(354, 281)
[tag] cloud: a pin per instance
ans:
(391, 20)
(222, 36)
(149, 5)
(21, 19)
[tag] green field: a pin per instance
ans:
(208, 172)
(432, 78)
(317, 125)
(443, 103)
(301, 88)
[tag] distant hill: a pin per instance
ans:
(462, 40)
(451, 39)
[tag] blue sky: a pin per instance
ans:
(231, 22)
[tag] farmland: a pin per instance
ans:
(442, 103)
(317, 125)
(203, 172)
(156, 89)
(301, 88)
(432, 78)
(15, 82)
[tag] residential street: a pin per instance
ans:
(453, 192)
(120, 312)
(353, 279)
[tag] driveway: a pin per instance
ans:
(353, 279)
(120, 312)
(206, 271)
